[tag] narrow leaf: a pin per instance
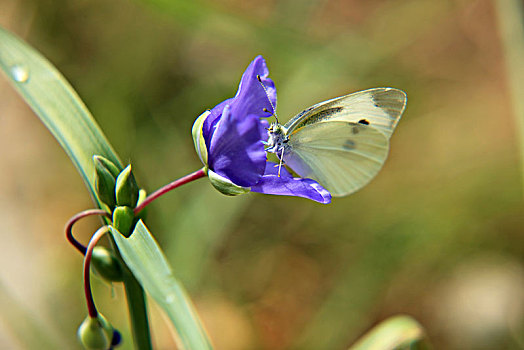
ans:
(511, 27)
(145, 259)
(395, 333)
(62, 111)
(56, 103)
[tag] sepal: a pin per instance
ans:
(225, 186)
(198, 137)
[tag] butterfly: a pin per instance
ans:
(341, 143)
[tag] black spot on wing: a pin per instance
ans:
(349, 145)
(321, 115)
(364, 121)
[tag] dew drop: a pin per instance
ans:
(20, 73)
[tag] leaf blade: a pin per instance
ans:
(56, 103)
(147, 262)
(394, 333)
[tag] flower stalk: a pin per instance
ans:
(69, 227)
(91, 308)
(170, 186)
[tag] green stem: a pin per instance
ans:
(136, 304)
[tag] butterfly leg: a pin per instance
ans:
(281, 160)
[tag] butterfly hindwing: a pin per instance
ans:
(341, 156)
(379, 108)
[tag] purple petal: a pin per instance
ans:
(249, 99)
(209, 126)
(286, 185)
(251, 95)
(236, 151)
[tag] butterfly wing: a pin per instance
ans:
(341, 156)
(379, 108)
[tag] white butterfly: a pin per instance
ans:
(341, 143)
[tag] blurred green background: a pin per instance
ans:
(437, 235)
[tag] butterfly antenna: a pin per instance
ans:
(271, 103)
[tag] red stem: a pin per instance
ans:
(170, 186)
(69, 227)
(91, 308)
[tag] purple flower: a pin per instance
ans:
(229, 141)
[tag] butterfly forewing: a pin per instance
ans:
(379, 108)
(341, 156)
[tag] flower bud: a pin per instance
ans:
(117, 338)
(105, 185)
(126, 189)
(107, 265)
(225, 186)
(106, 163)
(198, 137)
(123, 219)
(95, 333)
(142, 195)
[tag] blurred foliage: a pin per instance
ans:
(437, 235)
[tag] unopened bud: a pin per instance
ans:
(142, 195)
(95, 333)
(117, 338)
(106, 264)
(105, 185)
(126, 188)
(123, 220)
(106, 163)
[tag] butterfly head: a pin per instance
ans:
(276, 138)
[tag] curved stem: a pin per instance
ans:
(170, 186)
(91, 308)
(69, 227)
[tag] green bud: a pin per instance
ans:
(95, 333)
(106, 163)
(225, 186)
(105, 185)
(123, 220)
(142, 194)
(198, 137)
(126, 189)
(107, 265)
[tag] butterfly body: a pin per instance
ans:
(342, 143)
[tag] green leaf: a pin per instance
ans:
(511, 28)
(62, 111)
(144, 258)
(395, 333)
(56, 103)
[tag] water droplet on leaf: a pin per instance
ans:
(20, 73)
(170, 298)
